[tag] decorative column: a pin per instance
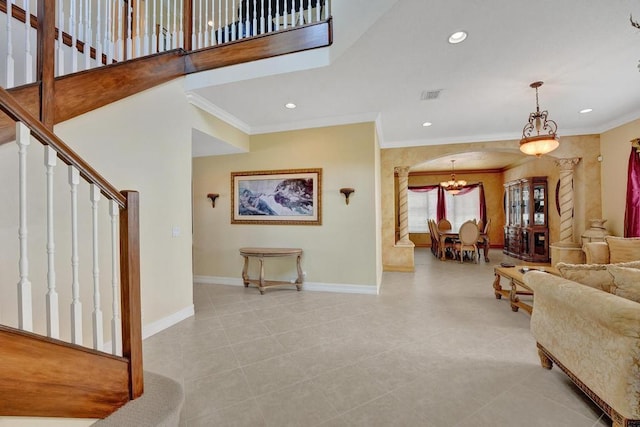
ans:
(566, 250)
(403, 210)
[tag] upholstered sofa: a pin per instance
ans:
(612, 250)
(591, 330)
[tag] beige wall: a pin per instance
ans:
(340, 251)
(143, 143)
(615, 147)
(587, 183)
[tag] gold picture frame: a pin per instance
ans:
(277, 197)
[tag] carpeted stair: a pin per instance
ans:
(159, 406)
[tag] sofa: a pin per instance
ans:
(587, 322)
(612, 250)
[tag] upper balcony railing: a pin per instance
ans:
(93, 33)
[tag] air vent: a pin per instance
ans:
(428, 95)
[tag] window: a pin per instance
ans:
(462, 207)
(421, 205)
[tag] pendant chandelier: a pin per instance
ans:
(452, 186)
(539, 134)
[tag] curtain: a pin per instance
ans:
(440, 210)
(632, 210)
(483, 202)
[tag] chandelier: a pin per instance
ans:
(452, 186)
(539, 134)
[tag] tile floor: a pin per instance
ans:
(435, 348)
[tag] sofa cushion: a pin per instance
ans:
(626, 282)
(593, 275)
(623, 249)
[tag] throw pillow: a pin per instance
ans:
(623, 249)
(593, 275)
(626, 282)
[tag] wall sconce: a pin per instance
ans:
(213, 197)
(347, 192)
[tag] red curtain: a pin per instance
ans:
(441, 209)
(632, 211)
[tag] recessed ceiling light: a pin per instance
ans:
(586, 110)
(457, 37)
(210, 23)
(290, 105)
(427, 124)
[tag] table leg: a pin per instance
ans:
(513, 297)
(486, 249)
(442, 248)
(300, 275)
(496, 286)
(261, 282)
(245, 277)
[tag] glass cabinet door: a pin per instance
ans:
(538, 205)
(525, 204)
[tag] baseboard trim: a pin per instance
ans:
(343, 288)
(166, 322)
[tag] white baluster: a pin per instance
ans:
(262, 23)
(80, 20)
(211, 28)
(194, 25)
(99, 35)
(53, 318)
(205, 21)
(200, 38)
(220, 22)
(318, 10)
(28, 57)
(309, 15)
(60, 45)
(161, 33)
(10, 62)
(119, 40)
(234, 33)
(145, 44)
(226, 21)
(87, 35)
(25, 315)
(74, 36)
(174, 34)
(108, 42)
(154, 36)
(116, 328)
(300, 14)
(180, 26)
(254, 21)
(98, 340)
(137, 24)
(241, 20)
(129, 29)
(76, 305)
(327, 12)
(270, 19)
(285, 14)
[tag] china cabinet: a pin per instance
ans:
(526, 231)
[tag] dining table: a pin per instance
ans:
(454, 235)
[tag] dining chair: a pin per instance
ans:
(444, 225)
(468, 240)
(483, 240)
(434, 237)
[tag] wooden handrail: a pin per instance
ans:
(13, 109)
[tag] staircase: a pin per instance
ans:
(86, 363)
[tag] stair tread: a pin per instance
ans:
(159, 406)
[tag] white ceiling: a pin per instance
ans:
(586, 52)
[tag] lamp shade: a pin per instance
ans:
(539, 145)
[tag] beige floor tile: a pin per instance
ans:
(435, 348)
(302, 404)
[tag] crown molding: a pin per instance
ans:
(206, 106)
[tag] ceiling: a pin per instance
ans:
(387, 52)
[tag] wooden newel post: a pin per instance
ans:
(187, 23)
(130, 290)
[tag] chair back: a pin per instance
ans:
(444, 225)
(469, 233)
(487, 227)
(480, 226)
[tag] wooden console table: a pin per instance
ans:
(261, 254)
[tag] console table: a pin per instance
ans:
(261, 254)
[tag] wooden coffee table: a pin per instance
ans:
(516, 284)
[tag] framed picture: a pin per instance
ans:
(288, 197)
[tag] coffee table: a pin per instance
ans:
(517, 287)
